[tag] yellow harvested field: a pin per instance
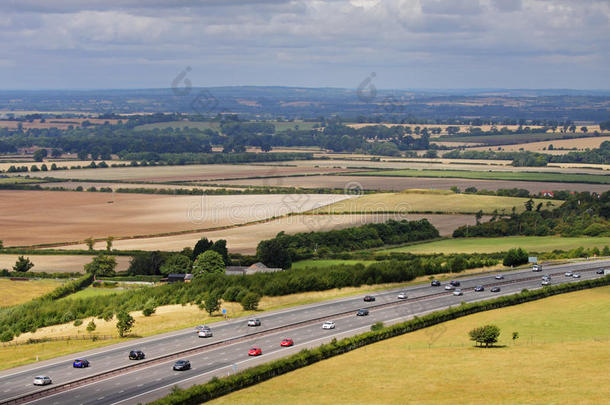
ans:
(13, 292)
(244, 239)
(58, 163)
(448, 203)
(59, 263)
(183, 173)
(42, 217)
(387, 183)
(561, 338)
(72, 185)
(560, 146)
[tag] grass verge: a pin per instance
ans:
(561, 338)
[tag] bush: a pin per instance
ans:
(148, 311)
(78, 322)
(487, 334)
(91, 326)
(377, 326)
(515, 257)
(250, 301)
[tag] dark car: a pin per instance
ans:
(362, 312)
(136, 355)
(600, 271)
(435, 283)
(454, 283)
(182, 365)
(479, 288)
(80, 363)
(369, 298)
(495, 289)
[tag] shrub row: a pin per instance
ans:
(221, 386)
(38, 274)
(27, 317)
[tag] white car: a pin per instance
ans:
(402, 296)
(499, 277)
(568, 274)
(576, 275)
(254, 322)
(449, 287)
(42, 380)
(458, 292)
(205, 333)
(328, 325)
(546, 281)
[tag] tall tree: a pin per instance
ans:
(101, 266)
(124, 323)
(23, 264)
(201, 246)
(209, 262)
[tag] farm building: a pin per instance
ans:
(179, 278)
(253, 269)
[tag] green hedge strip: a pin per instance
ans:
(221, 386)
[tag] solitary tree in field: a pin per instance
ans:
(124, 323)
(211, 303)
(40, 154)
(487, 335)
(529, 205)
(91, 326)
(101, 266)
(90, 243)
(478, 216)
(250, 301)
(23, 264)
(109, 241)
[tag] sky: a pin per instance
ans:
(398, 44)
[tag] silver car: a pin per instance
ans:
(205, 333)
(402, 296)
(42, 380)
(575, 275)
(449, 287)
(328, 325)
(458, 292)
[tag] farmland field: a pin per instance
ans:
(489, 245)
(244, 239)
(59, 263)
(543, 147)
(497, 175)
(430, 201)
(561, 338)
(184, 173)
(509, 139)
(17, 292)
(279, 126)
(58, 163)
(42, 217)
(386, 183)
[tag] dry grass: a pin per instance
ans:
(425, 202)
(17, 292)
(543, 147)
(244, 239)
(561, 357)
(59, 263)
(38, 217)
(183, 173)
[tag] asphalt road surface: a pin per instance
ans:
(147, 383)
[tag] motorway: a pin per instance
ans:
(216, 356)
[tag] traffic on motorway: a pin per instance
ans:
(257, 336)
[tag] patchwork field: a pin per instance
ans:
(386, 183)
(561, 338)
(17, 292)
(504, 175)
(430, 201)
(543, 147)
(244, 239)
(489, 245)
(59, 263)
(184, 173)
(72, 185)
(41, 217)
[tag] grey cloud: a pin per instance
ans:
(507, 5)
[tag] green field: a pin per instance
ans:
(327, 263)
(510, 139)
(490, 245)
(179, 125)
(93, 292)
(562, 356)
(441, 202)
(18, 180)
(279, 126)
(494, 175)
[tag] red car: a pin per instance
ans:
(287, 342)
(255, 351)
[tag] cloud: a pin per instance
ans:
(410, 43)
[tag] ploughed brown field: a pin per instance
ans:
(404, 183)
(43, 217)
(185, 173)
(244, 239)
